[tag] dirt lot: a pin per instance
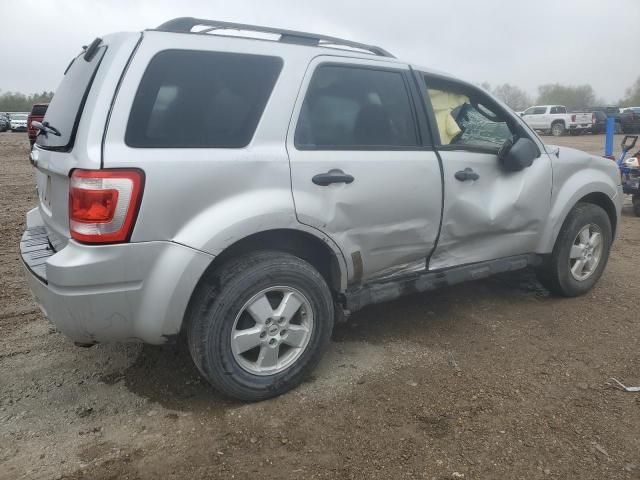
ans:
(492, 379)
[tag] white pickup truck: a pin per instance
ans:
(554, 119)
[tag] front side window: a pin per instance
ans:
(195, 99)
(535, 111)
(355, 107)
(465, 118)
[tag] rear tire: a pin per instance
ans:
(557, 129)
(575, 265)
(259, 294)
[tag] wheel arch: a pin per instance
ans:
(300, 243)
(602, 200)
(599, 193)
(319, 252)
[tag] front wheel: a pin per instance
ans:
(260, 324)
(580, 253)
(557, 129)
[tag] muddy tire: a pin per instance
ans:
(259, 324)
(557, 129)
(580, 253)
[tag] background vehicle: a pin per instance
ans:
(599, 122)
(252, 224)
(37, 114)
(554, 119)
(18, 122)
(630, 171)
(627, 120)
(5, 123)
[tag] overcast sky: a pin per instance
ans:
(523, 42)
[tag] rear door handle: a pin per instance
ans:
(332, 176)
(466, 174)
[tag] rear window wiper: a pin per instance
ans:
(45, 128)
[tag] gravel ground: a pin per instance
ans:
(491, 379)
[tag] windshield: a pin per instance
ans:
(19, 116)
(65, 109)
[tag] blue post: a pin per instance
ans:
(608, 139)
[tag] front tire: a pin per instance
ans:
(557, 129)
(260, 324)
(580, 253)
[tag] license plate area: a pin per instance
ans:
(44, 192)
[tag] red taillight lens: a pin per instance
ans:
(103, 204)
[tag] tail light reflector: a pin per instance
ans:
(103, 204)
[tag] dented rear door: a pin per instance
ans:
(362, 173)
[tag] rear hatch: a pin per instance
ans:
(78, 112)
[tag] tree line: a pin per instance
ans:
(571, 96)
(19, 102)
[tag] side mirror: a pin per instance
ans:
(517, 156)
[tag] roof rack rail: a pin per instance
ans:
(185, 24)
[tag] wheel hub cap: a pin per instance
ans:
(272, 330)
(586, 252)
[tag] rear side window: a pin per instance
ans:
(194, 99)
(354, 107)
(66, 106)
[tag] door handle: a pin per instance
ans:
(466, 174)
(332, 176)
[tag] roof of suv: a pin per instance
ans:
(187, 25)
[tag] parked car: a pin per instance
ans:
(249, 192)
(18, 122)
(599, 122)
(5, 123)
(554, 119)
(626, 119)
(37, 114)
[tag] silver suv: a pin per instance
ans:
(247, 186)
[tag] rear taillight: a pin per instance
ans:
(103, 204)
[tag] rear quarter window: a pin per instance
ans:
(195, 99)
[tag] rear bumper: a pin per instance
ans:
(124, 292)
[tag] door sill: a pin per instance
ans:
(386, 290)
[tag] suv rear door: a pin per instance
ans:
(362, 171)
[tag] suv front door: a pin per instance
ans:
(488, 213)
(362, 171)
